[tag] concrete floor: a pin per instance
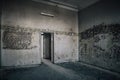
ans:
(63, 71)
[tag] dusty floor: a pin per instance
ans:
(63, 71)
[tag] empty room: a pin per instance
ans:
(60, 40)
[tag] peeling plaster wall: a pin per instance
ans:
(26, 15)
(99, 35)
(17, 56)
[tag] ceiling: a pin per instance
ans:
(77, 4)
(80, 4)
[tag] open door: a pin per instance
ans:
(48, 46)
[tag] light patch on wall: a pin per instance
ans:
(47, 14)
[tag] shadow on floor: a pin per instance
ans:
(63, 71)
(86, 71)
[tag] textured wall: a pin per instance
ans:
(0, 45)
(27, 15)
(66, 48)
(99, 28)
(20, 47)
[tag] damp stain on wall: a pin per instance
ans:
(99, 29)
(17, 38)
(103, 43)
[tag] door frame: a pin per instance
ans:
(52, 46)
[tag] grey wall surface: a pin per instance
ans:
(99, 33)
(0, 29)
(24, 17)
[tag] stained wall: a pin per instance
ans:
(22, 24)
(99, 35)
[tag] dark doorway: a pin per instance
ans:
(47, 46)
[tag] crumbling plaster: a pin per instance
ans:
(99, 38)
(27, 15)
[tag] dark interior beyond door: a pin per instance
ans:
(47, 46)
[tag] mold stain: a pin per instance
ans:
(101, 42)
(101, 29)
(17, 38)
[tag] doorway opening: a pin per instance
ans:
(47, 45)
